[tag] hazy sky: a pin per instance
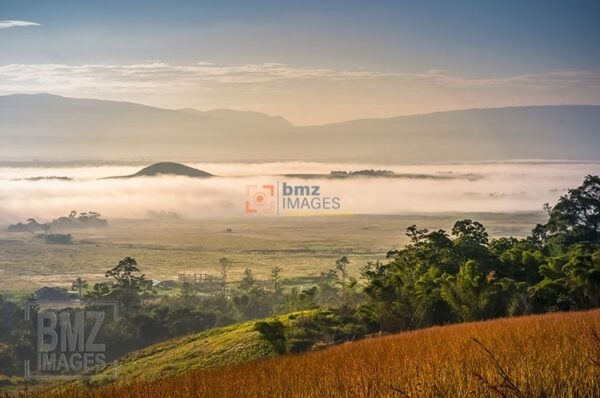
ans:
(309, 61)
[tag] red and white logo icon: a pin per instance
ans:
(260, 199)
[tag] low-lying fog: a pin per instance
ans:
(486, 187)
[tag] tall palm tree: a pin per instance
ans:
(79, 284)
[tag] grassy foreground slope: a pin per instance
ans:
(213, 348)
(552, 355)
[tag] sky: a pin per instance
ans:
(312, 62)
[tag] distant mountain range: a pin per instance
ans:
(252, 118)
(51, 127)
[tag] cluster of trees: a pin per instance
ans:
(16, 340)
(366, 172)
(89, 219)
(461, 276)
(465, 276)
(146, 317)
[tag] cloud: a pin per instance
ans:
(155, 75)
(559, 78)
(291, 91)
(16, 24)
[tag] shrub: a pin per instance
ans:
(58, 239)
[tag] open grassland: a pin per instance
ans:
(554, 355)
(302, 246)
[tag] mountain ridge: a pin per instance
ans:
(246, 116)
(191, 110)
(42, 126)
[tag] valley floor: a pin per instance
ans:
(302, 246)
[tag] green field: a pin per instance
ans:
(302, 246)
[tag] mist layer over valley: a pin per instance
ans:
(478, 187)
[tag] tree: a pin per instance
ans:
(79, 284)
(100, 291)
(470, 230)
(248, 280)
(341, 266)
(274, 333)
(186, 321)
(123, 273)
(301, 299)
(471, 241)
(576, 216)
(337, 276)
(127, 285)
(277, 298)
(276, 279)
(146, 289)
(224, 268)
(473, 295)
(571, 280)
(187, 290)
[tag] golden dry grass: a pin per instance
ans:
(537, 356)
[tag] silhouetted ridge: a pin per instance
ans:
(168, 168)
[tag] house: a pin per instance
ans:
(47, 293)
(166, 285)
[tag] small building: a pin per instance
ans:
(166, 285)
(202, 281)
(48, 293)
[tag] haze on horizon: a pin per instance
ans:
(490, 187)
(308, 62)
